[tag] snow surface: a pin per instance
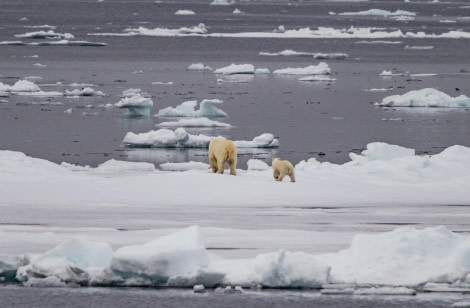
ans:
(392, 262)
(427, 97)
(188, 109)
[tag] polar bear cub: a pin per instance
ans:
(281, 168)
(220, 152)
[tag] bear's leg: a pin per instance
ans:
(276, 175)
(213, 163)
(233, 166)
(220, 166)
(281, 176)
(292, 176)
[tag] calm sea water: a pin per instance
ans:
(322, 120)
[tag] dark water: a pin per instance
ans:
(135, 297)
(322, 120)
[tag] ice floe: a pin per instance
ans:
(321, 69)
(236, 69)
(46, 35)
(315, 55)
(194, 122)
(199, 67)
(136, 105)
(380, 12)
(206, 109)
(185, 12)
(427, 97)
(166, 138)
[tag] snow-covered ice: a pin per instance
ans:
(46, 35)
(427, 97)
(382, 174)
(206, 109)
(321, 69)
(236, 69)
(194, 122)
(199, 67)
(185, 12)
(166, 138)
(380, 12)
(137, 105)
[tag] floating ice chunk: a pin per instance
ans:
(265, 140)
(169, 83)
(237, 11)
(12, 43)
(262, 71)
(388, 73)
(154, 263)
(181, 138)
(191, 165)
(84, 92)
(137, 105)
(427, 97)
(69, 43)
(46, 35)
(321, 69)
(131, 92)
(381, 151)
(315, 55)
(160, 138)
(236, 69)
(199, 29)
(196, 122)
(199, 67)
(185, 12)
(379, 12)
(21, 86)
(257, 165)
(317, 78)
(222, 2)
(385, 291)
(187, 109)
(68, 261)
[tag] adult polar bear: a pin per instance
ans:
(223, 151)
(281, 168)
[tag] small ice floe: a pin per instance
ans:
(188, 109)
(199, 288)
(199, 67)
(29, 88)
(199, 29)
(162, 83)
(136, 105)
(385, 291)
(167, 138)
(321, 69)
(419, 47)
(69, 43)
(186, 166)
(379, 12)
(131, 92)
(261, 71)
(265, 140)
(257, 165)
(390, 73)
(195, 122)
(87, 91)
(427, 97)
(237, 11)
(318, 78)
(185, 12)
(236, 69)
(46, 35)
(12, 43)
(315, 55)
(446, 287)
(380, 42)
(222, 2)
(40, 65)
